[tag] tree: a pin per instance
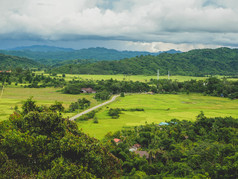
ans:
(28, 106)
(104, 95)
(58, 106)
(38, 142)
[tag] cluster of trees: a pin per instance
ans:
(115, 112)
(211, 86)
(37, 142)
(111, 86)
(87, 116)
(204, 148)
(31, 80)
(221, 61)
(80, 104)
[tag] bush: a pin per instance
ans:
(104, 95)
(95, 120)
(114, 113)
(87, 116)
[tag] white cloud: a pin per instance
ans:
(166, 23)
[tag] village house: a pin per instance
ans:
(117, 141)
(87, 90)
(135, 147)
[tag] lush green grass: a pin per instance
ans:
(121, 77)
(43, 96)
(158, 108)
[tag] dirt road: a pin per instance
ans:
(93, 108)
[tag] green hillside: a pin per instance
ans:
(8, 62)
(221, 61)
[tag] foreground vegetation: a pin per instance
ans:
(205, 148)
(37, 142)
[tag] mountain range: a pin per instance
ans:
(51, 55)
(200, 62)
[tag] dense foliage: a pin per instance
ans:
(222, 61)
(38, 143)
(111, 86)
(205, 148)
(8, 62)
(211, 86)
(29, 79)
(80, 104)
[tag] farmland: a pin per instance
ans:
(120, 77)
(158, 108)
(43, 96)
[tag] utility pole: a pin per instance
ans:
(158, 74)
(168, 74)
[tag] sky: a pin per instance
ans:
(140, 25)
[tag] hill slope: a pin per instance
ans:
(53, 55)
(223, 61)
(8, 62)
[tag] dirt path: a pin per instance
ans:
(93, 108)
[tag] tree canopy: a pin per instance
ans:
(38, 142)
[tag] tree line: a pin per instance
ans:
(211, 86)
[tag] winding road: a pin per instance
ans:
(93, 108)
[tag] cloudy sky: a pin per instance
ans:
(150, 25)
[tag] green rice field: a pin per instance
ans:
(13, 96)
(158, 108)
(121, 77)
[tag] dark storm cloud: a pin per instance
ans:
(179, 22)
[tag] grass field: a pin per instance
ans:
(121, 77)
(158, 108)
(43, 96)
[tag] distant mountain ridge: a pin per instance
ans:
(40, 48)
(52, 55)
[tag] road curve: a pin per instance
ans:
(93, 108)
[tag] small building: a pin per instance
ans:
(135, 147)
(150, 92)
(117, 141)
(163, 124)
(142, 154)
(132, 149)
(87, 90)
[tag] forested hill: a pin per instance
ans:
(8, 62)
(53, 55)
(221, 61)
